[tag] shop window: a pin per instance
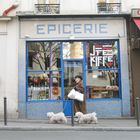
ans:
(30, 61)
(102, 69)
(44, 76)
(72, 50)
(45, 55)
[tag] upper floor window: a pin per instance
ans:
(109, 6)
(48, 7)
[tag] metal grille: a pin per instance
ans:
(47, 8)
(109, 8)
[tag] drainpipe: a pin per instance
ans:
(14, 6)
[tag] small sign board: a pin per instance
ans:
(135, 12)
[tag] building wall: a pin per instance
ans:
(125, 77)
(3, 36)
(68, 6)
(127, 6)
(72, 6)
(9, 67)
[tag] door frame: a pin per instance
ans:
(67, 103)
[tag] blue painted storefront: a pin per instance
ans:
(105, 107)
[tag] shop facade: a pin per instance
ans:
(52, 51)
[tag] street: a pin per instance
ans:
(69, 135)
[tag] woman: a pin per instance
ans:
(79, 106)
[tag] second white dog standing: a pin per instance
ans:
(56, 118)
(86, 118)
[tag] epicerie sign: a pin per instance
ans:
(135, 12)
(71, 28)
(66, 28)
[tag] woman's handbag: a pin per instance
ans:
(76, 95)
(71, 94)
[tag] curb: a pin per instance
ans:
(11, 128)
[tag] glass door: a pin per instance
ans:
(71, 69)
(73, 56)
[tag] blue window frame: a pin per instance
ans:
(45, 68)
(103, 69)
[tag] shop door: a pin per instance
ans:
(71, 69)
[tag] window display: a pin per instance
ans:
(44, 76)
(102, 69)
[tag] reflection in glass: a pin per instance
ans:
(72, 50)
(44, 86)
(102, 84)
(44, 55)
(71, 68)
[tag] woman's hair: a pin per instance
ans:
(78, 76)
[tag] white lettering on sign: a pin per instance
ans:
(101, 56)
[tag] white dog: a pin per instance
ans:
(86, 118)
(56, 118)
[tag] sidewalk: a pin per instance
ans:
(122, 124)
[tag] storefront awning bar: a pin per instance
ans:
(75, 16)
